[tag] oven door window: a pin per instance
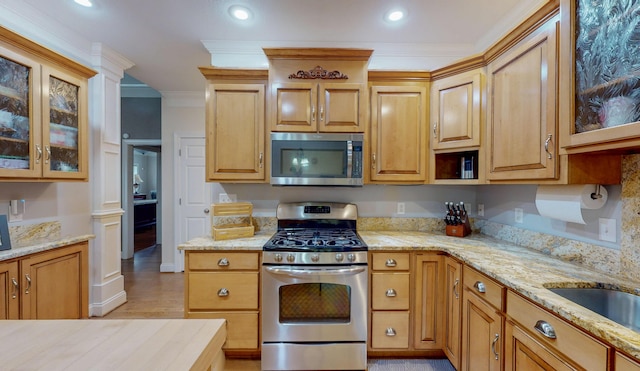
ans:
(315, 302)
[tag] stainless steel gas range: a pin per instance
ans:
(314, 290)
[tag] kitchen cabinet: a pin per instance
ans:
(43, 113)
(598, 109)
(624, 363)
(482, 322)
(390, 300)
(318, 89)
(452, 310)
(53, 284)
(9, 290)
(235, 126)
(225, 285)
(538, 340)
(398, 135)
(319, 107)
(457, 126)
(429, 301)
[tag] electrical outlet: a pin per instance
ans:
(400, 210)
(16, 210)
(227, 197)
(607, 229)
(519, 215)
(480, 209)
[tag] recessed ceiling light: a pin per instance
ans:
(86, 3)
(394, 15)
(240, 12)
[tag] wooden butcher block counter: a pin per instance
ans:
(138, 344)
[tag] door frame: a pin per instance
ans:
(127, 192)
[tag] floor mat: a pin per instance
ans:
(410, 365)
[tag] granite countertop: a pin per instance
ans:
(523, 270)
(39, 246)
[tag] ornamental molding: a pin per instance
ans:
(318, 73)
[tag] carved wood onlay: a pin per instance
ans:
(318, 73)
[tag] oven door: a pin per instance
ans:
(314, 303)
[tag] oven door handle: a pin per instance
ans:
(291, 272)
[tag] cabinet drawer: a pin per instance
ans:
(581, 348)
(242, 328)
(226, 261)
(223, 290)
(474, 281)
(390, 291)
(624, 363)
(390, 330)
(390, 261)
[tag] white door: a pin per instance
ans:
(194, 194)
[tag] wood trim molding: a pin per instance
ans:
(318, 73)
(213, 73)
(464, 65)
(338, 54)
(9, 37)
(408, 76)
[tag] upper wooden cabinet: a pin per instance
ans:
(456, 111)
(398, 134)
(318, 90)
(43, 113)
(521, 115)
(318, 107)
(235, 137)
(599, 86)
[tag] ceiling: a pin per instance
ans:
(168, 40)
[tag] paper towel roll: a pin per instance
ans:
(565, 202)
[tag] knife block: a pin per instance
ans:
(460, 230)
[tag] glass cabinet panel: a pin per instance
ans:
(15, 120)
(607, 64)
(62, 152)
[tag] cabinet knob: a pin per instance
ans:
(224, 262)
(391, 263)
(545, 329)
(206, 211)
(480, 287)
(391, 293)
(223, 292)
(390, 332)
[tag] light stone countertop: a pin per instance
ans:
(525, 271)
(34, 247)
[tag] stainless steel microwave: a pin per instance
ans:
(313, 159)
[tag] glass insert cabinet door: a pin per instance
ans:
(19, 129)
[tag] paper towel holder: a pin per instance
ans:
(596, 195)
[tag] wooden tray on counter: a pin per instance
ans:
(227, 211)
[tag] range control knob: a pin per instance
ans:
(315, 258)
(291, 258)
(339, 257)
(278, 258)
(351, 257)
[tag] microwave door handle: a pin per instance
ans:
(349, 159)
(284, 271)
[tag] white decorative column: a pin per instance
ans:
(106, 290)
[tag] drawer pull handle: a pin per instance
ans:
(223, 292)
(391, 263)
(224, 262)
(455, 288)
(15, 288)
(546, 146)
(545, 329)
(480, 287)
(26, 276)
(390, 332)
(493, 346)
(391, 293)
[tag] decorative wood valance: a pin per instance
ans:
(319, 73)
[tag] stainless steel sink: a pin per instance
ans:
(618, 306)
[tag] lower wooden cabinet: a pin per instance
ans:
(224, 284)
(48, 285)
(482, 322)
(624, 363)
(530, 346)
(428, 305)
(452, 310)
